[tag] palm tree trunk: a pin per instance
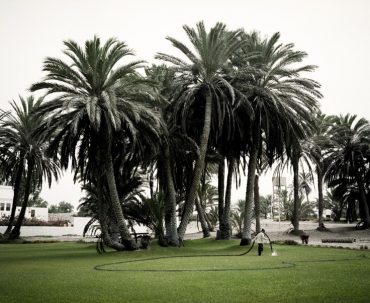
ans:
(202, 219)
(206, 218)
(151, 184)
(210, 227)
(321, 198)
(221, 189)
(16, 187)
(159, 232)
(170, 207)
(127, 241)
(199, 166)
(102, 216)
(257, 206)
(252, 165)
(296, 206)
(225, 226)
(365, 213)
(15, 233)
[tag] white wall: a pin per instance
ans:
(6, 200)
(79, 224)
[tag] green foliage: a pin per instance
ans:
(36, 201)
(24, 155)
(265, 205)
(237, 217)
(306, 210)
(62, 207)
(213, 215)
(290, 242)
(4, 221)
(147, 211)
(335, 204)
(348, 156)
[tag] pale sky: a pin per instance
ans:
(334, 33)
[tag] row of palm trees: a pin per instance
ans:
(233, 99)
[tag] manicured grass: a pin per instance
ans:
(64, 272)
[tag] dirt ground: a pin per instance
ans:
(277, 231)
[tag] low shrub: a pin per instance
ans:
(284, 242)
(290, 242)
(343, 240)
(4, 221)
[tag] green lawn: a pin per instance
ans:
(64, 272)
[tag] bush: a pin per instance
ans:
(290, 242)
(144, 242)
(285, 242)
(343, 240)
(4, 221)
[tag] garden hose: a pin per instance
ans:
(282, 265)
(244, 253)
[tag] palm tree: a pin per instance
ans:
(345, 196)
(335, 203)
(302, 181)
(94, 104)
(203, 87)
(348, 156)
(316, 147)
(12, 167)
(265, 205)
(225, 231)
(237, 217)
(283, 103)
(257, 203)
(208, 196)
(26, 155)
(305, 183)
(94, 201)
(162, 77)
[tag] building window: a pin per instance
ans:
(2, 205)
(8, 206)
(32, 213)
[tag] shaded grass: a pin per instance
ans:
(64, 272)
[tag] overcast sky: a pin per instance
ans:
(334, 33)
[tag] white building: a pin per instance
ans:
(6, 201)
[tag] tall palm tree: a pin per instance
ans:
(162, 76)
(94, 201)
(26, 149)
(208, 196)
(348, 156)
(316, 147)
(225, 231)
(95, 102)
(283, 103)
(305, 183)
(299, 162)
(204, 88)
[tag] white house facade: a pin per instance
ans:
(6, 201)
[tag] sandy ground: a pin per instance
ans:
(277, 231)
